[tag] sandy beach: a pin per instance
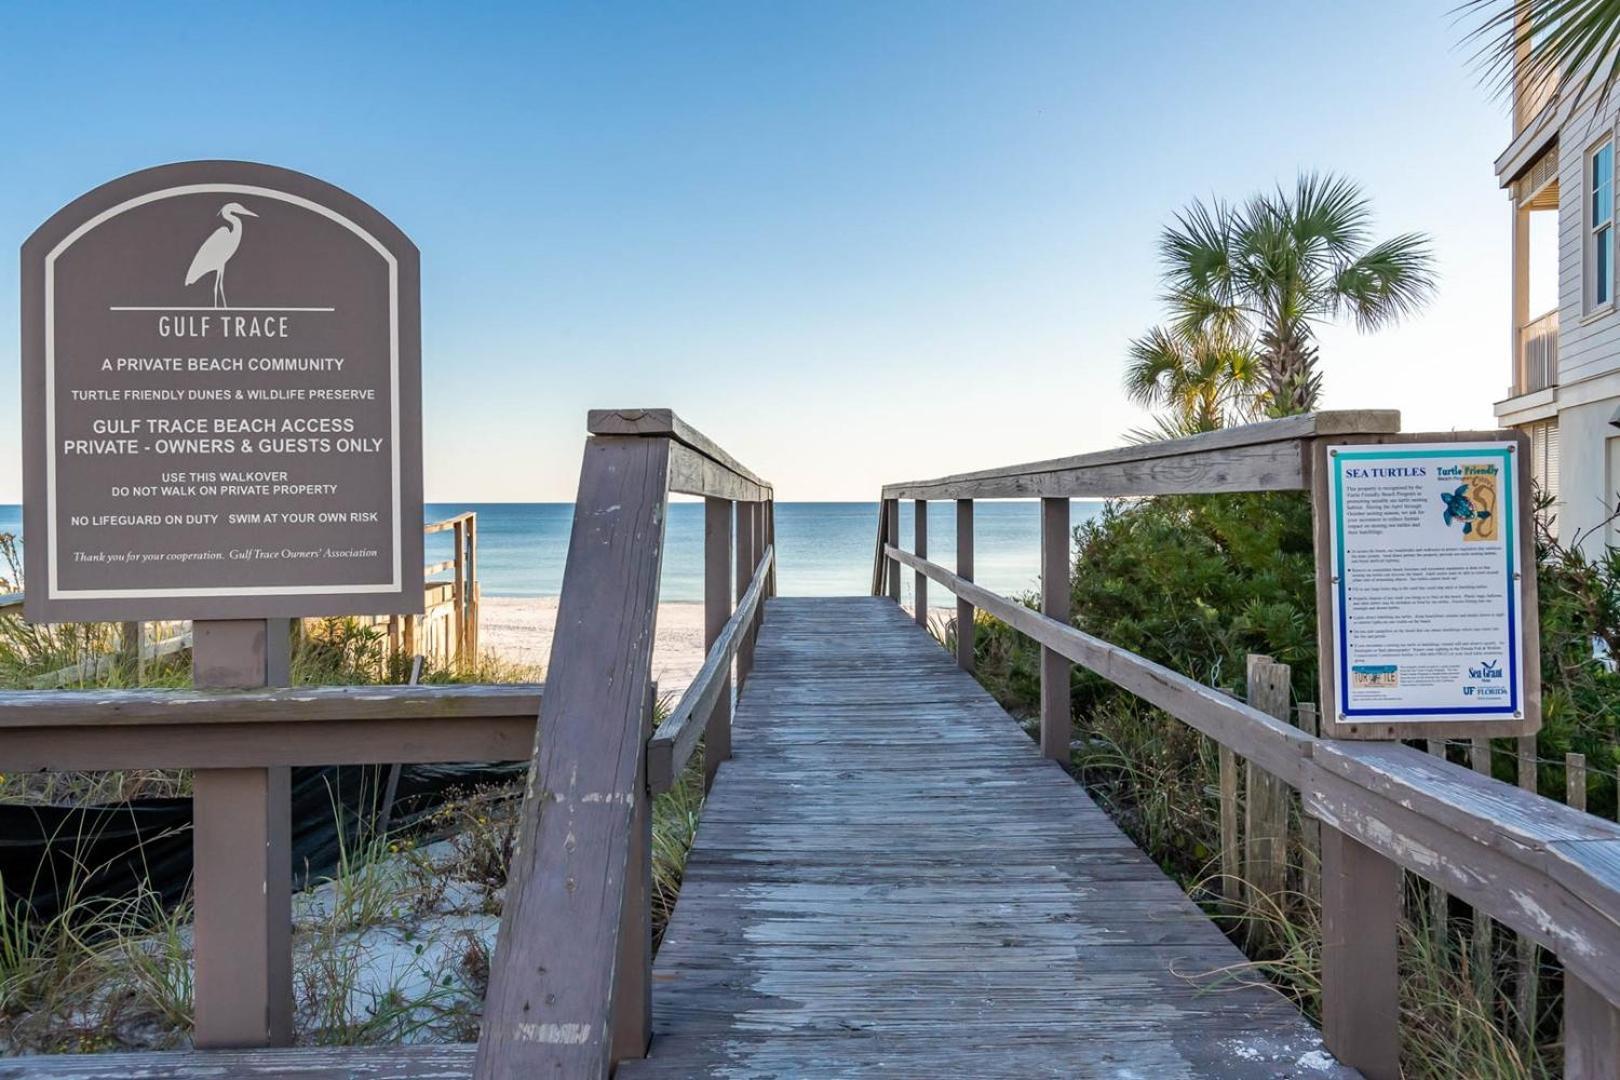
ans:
(519, 629)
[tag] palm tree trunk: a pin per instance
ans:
(1293, 382)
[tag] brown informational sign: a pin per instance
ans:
(221, 376)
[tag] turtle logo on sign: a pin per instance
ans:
(217, 250)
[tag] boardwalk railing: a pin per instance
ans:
(570, 987)
(1549, 872)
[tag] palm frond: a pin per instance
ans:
(1570, 44)
(1388, 282)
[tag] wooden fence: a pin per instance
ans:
(570, 983)
(1551, 873)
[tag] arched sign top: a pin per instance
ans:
(221, 387)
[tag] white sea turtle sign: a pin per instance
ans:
(221, 401)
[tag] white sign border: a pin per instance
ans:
(53, 590)
(1512, 492)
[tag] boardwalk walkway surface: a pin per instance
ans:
(889, 880)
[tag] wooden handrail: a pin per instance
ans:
(1254, 457)
(672, 744)
(570, 982)
(1549, 872)
(1281, 748)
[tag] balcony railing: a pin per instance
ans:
(1538, 354)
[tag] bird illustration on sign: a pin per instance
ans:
(217, 250)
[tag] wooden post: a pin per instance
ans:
(550, 1007)
(472, 587)
(632, 983)
(1575, 781)
(919, 586)
(1231, 850)
(1055, 668)
(459, 533)
(770, 541)
(1439, 902)
(964, 570)
(1484, 942)
(241, 843)
(1591, 1032)
(1361, 906)
(1266, 803)
(717, 514)
(1310, 862)
(1527, 953)
(747, 559)
(891, 508)
(130, 656)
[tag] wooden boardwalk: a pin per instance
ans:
(889, 880)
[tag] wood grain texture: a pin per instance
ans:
(1253, 457)
(889, 880)
(919, 586)
(1057, 721)
(1361, 908)
(552, 980)
(453, 1062)
(964, 569)
(665, 422)
(1265, 805)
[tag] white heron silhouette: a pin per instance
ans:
(217, 250)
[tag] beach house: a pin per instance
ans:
(1565, 382)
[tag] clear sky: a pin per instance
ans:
(852, 242)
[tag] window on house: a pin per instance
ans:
(1600, 236)
(1544, 465)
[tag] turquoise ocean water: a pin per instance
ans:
(825, 549)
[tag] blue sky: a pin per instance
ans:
(853, 242)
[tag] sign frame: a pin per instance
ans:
(403, 594)
(1410, 725)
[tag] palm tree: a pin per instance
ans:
(1272, 269)
(1204, 381)
(1567, 43)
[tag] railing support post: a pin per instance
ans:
(632, 982)
(1591, 1032)
(747, 559)
(891, 510)
(459, 649)
(717, 608)
(242, 852)
(964, 570)
(1361, 906)
(770, 542)
(919, 585)
(1055, 668)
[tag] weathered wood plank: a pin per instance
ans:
(1253, 457)
(1265, 856)
(453, 1062)
(889, 879)
(664, 422)
(551, 987)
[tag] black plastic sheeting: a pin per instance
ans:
(51, 855)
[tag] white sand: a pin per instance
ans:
(519, 629)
